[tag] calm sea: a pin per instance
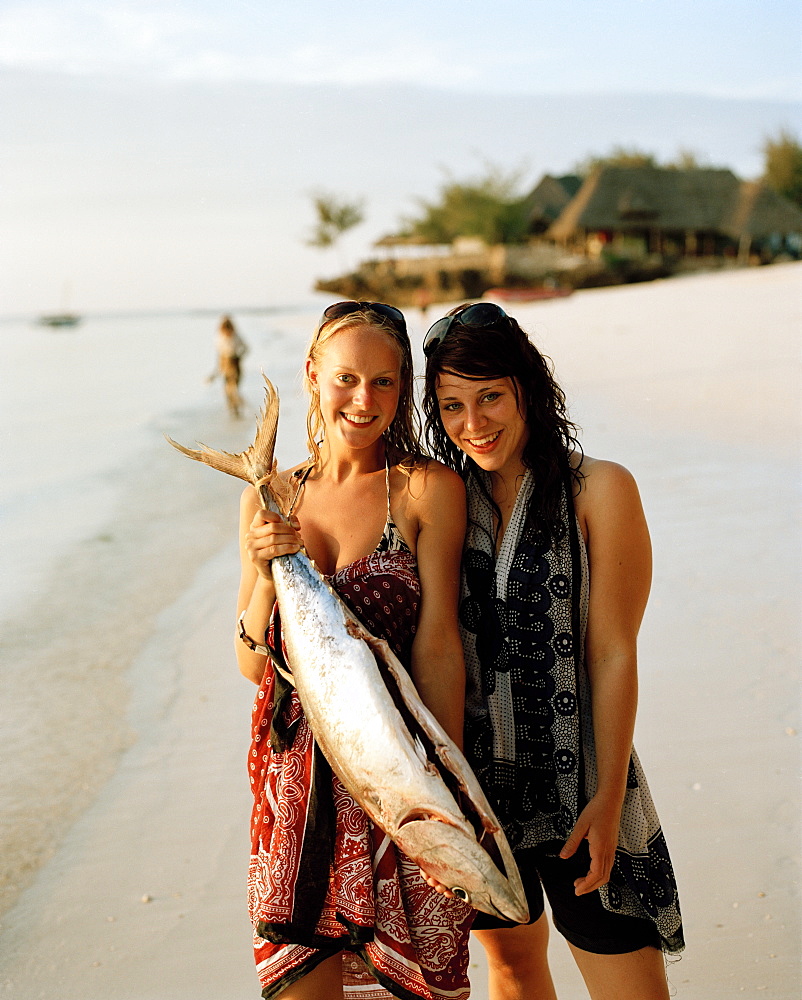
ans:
(77, 404)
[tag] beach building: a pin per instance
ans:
(547, 201)
(632, 213)
(465, 269)
(618, 225)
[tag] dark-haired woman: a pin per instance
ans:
(556, 575)
(387, 527)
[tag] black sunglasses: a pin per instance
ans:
(478, 315)
(339, 309)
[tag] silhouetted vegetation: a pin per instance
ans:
(783, 166)
(334, 217)
(622, 156)
(490, 207)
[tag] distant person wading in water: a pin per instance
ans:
(231, 348)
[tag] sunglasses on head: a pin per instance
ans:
(479, 315)
(339, 309)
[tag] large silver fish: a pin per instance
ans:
(379, 738)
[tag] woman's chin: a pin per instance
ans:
(489, 460)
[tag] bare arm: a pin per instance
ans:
(262, 536)
(619, 553)
(438, 669)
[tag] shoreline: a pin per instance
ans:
(85, 731)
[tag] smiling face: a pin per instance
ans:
(483, 419)
(357, 376)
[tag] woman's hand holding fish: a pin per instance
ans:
(270, 536)
(437, 886)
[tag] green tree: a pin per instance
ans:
(619, 156)
(685, 159)
(490, 206)
(782, 165)
(334, 217)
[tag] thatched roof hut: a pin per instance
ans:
(688, 205)
(548, 199)
(761, 212)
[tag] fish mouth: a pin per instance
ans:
(423, 835)
(484, 837)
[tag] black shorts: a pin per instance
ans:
(582, 920)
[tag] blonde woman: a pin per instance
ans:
(333, 902)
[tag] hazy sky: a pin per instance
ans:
(162, 154)
(725, 48)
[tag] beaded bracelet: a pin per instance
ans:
(249, 642)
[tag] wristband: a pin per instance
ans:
(249, 642)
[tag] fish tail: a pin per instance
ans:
(264, 444)
(223, 461)
(256, 465)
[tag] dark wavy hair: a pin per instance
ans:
(503, 350)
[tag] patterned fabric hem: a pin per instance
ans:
(291, 934)
(276, 988)
(382, 985)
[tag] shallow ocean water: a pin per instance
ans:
(101, 525)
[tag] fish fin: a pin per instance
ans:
(223, 461)
(449, 755)
(260, 453)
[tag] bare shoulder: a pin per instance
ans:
(249, 501)
(430, 494)
(600, 476)
(607, 488)
(431, 482)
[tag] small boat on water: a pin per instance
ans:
(60, 320)
(65, 318)
(526, 294)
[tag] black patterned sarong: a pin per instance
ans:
(529, 724)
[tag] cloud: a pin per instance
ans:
(623, 46)
(318, 63)
(176, 42)
(87, 38)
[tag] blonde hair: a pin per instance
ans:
(402, 437)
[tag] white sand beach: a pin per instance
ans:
(694, 385)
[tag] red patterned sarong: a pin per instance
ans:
(323, 879)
